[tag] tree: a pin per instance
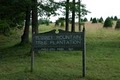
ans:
(73, 17)
(34, 17)
(108, 22)
(117, 24)
(85, 19)
(115, 18)
(25, 36)
(91, 19)
(100, 20)
(79, 9)
(112, 18)
(10, 8)
(67, 16)
(94, 20)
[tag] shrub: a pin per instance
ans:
(108, 22)
(117, 24)
(4, 27)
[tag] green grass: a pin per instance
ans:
(102, 59)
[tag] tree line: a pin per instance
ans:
(19, 13)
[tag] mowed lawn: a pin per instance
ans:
(102, 58)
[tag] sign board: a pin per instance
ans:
(62, 41)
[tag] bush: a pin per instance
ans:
(117, 24)
(108, 22)
(4, 27)
(94, 20)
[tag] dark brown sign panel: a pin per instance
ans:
(63, 41)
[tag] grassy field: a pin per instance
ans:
(102, 58)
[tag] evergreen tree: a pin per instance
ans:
(94, 20)
(112, 18)
(117, 24)
(115, 18)
(100, 20)
(108, 22)
(85, 20)
(91, 19)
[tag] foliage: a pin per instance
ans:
(85, 19)
(4, 27)
(117, 24)
(112, 18)
(60, 22)
(94, 20)
(115, 18)
(91, 19)
(43, 21)
(47, 8)
(13, 12)
(108, 22)
(83, 10)
(100, 20)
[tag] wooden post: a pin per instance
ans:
(32, 61)
(84, 54)
(32, 54)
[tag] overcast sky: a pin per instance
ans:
(101, 8)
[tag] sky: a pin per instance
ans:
(100, 8)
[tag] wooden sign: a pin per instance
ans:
(51, 41)
(62, 41)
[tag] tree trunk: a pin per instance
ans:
(67, 16)
(25, 36)
(73, 17)
(79, 16)
(34, 17)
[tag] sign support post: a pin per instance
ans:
(32, 55)
(84, 54)
(32, 61)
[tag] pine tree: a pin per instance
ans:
(112, 18)
(108, 22)
(117, 24)
(100, 20)
(115, 18)
(91, 19)
(94, 20)
(85, 20)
